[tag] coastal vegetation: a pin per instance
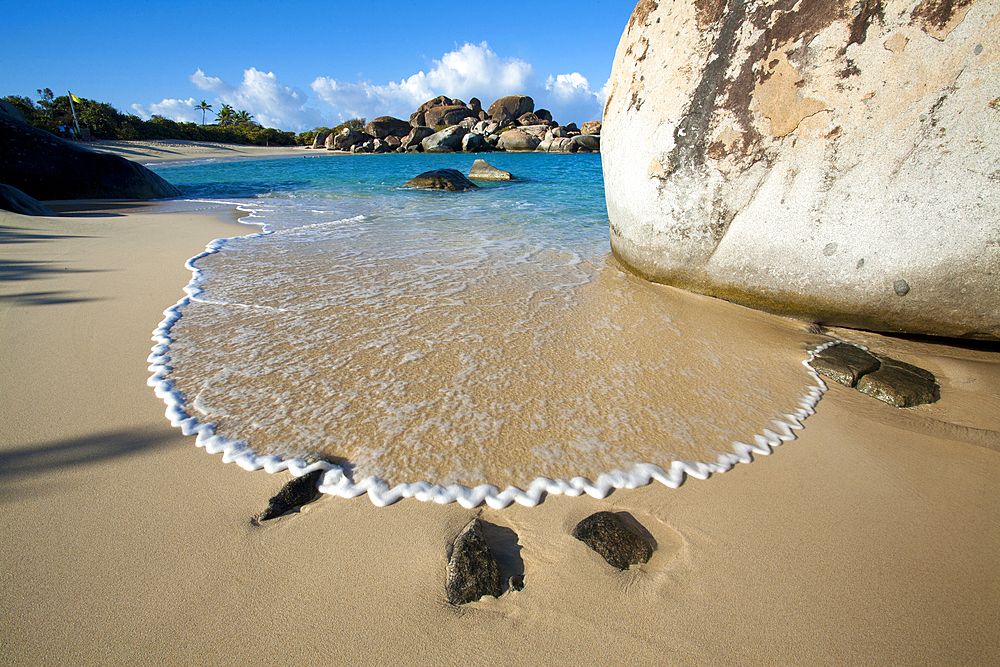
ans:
(106, 122)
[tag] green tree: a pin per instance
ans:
(204, 106)
(243, 117)
(226, 116)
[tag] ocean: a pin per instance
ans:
(475, 346)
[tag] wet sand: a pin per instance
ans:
(873, 538)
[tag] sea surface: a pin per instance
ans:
(460, 340)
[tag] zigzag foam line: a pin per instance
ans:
(335, 482)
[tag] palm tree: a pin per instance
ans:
(203, 106)
(242, 117)
(226, 115)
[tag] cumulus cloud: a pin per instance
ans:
(473, 70)
(179, 110)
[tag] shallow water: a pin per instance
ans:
(460, 338)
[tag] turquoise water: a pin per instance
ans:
(477, 339)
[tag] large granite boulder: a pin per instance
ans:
(518, 140)
(447, 115)
(510, 107)
(416, 135)
(12, 199)
(591, 127)
(834, 161)
(46, 167)
(484, 171)
(448, 140)
(319, 141)
(387, 126)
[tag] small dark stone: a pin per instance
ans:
(615, 540)
(900, 384)
(442, 179)
(472, 570)
(844, 363)
(516, 583)
(901, 287)
(299, 491)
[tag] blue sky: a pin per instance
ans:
(300, 64)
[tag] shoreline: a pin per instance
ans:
(157, 151)
(871, 538)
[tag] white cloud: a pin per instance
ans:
(179, 110)
(473, 70)
(470, 71)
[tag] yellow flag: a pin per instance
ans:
(75, 98)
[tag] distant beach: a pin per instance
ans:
(870, 539)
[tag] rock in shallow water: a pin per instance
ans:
(614, 539)
(844, 363)
(442, 179)
(472, 570)
(483, 170)
(900, 384)
(297, 492)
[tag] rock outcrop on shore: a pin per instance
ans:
(46, 168)
(445, 125)
(835, 162)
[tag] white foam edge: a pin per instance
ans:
(334, 482)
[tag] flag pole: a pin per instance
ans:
(73, 109)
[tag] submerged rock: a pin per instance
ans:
(472, 570)
(844, 363)
(900, 384)
(442, 179)
(614, 539)
(484, 171)
(297, 492)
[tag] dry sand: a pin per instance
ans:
(872, 539)
(167, 150)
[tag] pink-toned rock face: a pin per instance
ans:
(810, 157)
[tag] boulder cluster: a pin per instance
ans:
(444, 125)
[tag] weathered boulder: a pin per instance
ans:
(511, 106)
(439, 101)
(900, 384)
(544, 114)
(591, 142)
(319, 141)
(518, 140)
(447, 115)
(46, 167)
(297, 492)
(474, 143)
(529, 119)
(8, 109)
(572, 129)
(558, 145)
(382, 146)
(387, 126)
(833, 161)
(330, 141)
(442, 179)
(347, 138)
(448, 140)
(469, 123)
(619, 543)
(12, 199)
(591, 127)
(475, 105)
(472, 570)
(484, 171)
(844, 363)
(393, 141)
(417, 119)
(417, 135)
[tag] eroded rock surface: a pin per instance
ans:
(442, 179)
(484, 171)
(472, 570)
(297, 492)
(614, 539)
(889, 380)
(830, 160)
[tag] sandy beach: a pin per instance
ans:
(168, 150)
(874, 538)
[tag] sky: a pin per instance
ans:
(299, 64)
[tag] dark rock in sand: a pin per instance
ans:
(614, 539)
(45, 167)
(484, 171)
(319, 141)
(299, 491)
(442, 179)
(516, 583)
(844, 363)
(12, 199)
(472, 570)
(900, 384)
(387, 126)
